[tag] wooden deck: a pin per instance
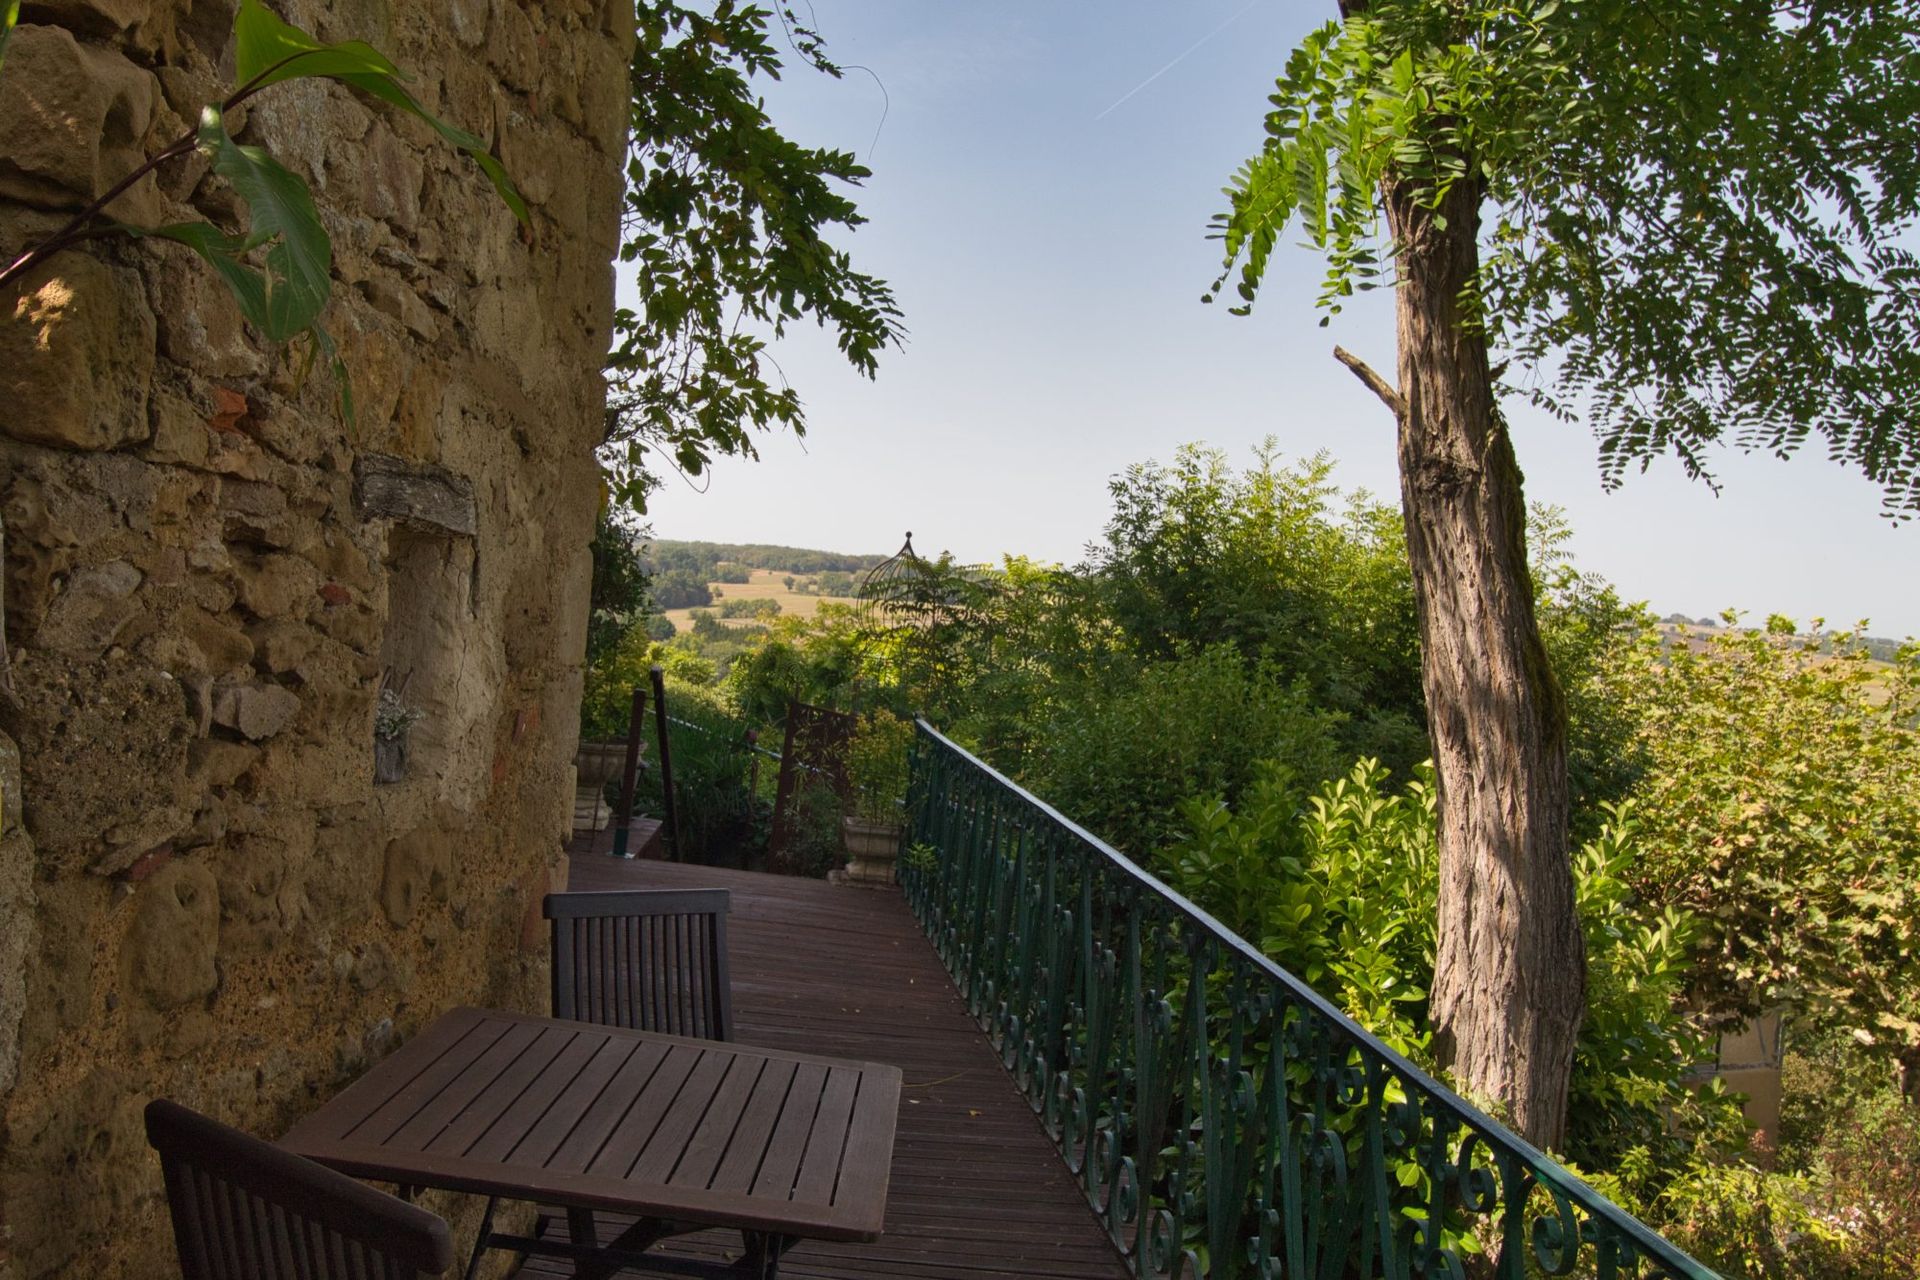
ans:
(978, 1189)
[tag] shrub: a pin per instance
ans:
(720, 819)
(1339, 886)
(877, 766)
(607, 693)
(1781, 804)
(1120, 752)
(812, 845)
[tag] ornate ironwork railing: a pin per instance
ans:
(1223, 1119)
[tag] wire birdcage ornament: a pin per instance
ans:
(908, 590)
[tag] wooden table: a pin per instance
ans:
(698, 1132)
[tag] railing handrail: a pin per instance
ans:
(1489, 1130)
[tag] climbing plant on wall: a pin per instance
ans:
(279, 263)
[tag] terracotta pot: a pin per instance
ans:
(872, 847)
(390, 759)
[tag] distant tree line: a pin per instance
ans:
(704, 557)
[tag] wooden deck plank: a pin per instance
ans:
(977, 1189)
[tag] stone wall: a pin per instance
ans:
(203, 893)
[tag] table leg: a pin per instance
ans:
(764, 1251)
(481, 1240)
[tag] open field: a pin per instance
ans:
(767, 584)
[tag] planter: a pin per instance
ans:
(872, 849)
(596, 764)
(390, 760)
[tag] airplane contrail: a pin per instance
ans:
(1177, 61)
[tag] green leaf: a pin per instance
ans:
(299, 260)
(226, 255)
(9, 14)
(269, 51)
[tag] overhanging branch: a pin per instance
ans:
(1374, 382)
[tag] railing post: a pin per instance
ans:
(659, 677)
(623, 816)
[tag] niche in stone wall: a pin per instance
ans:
(429, 648)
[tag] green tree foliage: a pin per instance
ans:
(1699, 210)
(721, 818)
(1586, 629)
(750, 607)
(1781, 800)
(606, 696)
(757, 555)
(619, 595)
(725, 233)
(818, 660)
(1269, 561)
(680, 589)
(1120, 751)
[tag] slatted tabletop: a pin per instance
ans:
(601, 1117)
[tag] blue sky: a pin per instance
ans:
(1045, 235)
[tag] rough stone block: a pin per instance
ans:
(76, 353)
(90, 17)
(103, 745)
(175, 935)
(216, 762)
(73, 118)
(257, 711)
(278, 586)
(198, 320)
(87, 616)
(280, 646)
(218, 645)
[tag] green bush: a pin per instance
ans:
(607, 693)
(750, 607)
(1119, 754)
(1781, 805)
(877, 766)
(813, 846)
(720, 818)
(1339, 886)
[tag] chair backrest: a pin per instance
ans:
(653, 960)
(244, 1209)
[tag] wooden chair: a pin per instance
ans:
(651, 960)
(244, 1209)
(646, 959)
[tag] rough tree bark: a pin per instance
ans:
(1510, 971)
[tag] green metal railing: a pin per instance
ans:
(1222, 1118)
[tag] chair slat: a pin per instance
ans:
(650, 961)
(245, 1210)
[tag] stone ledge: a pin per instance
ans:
(420, 494)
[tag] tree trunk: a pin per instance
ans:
(1509, 985)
